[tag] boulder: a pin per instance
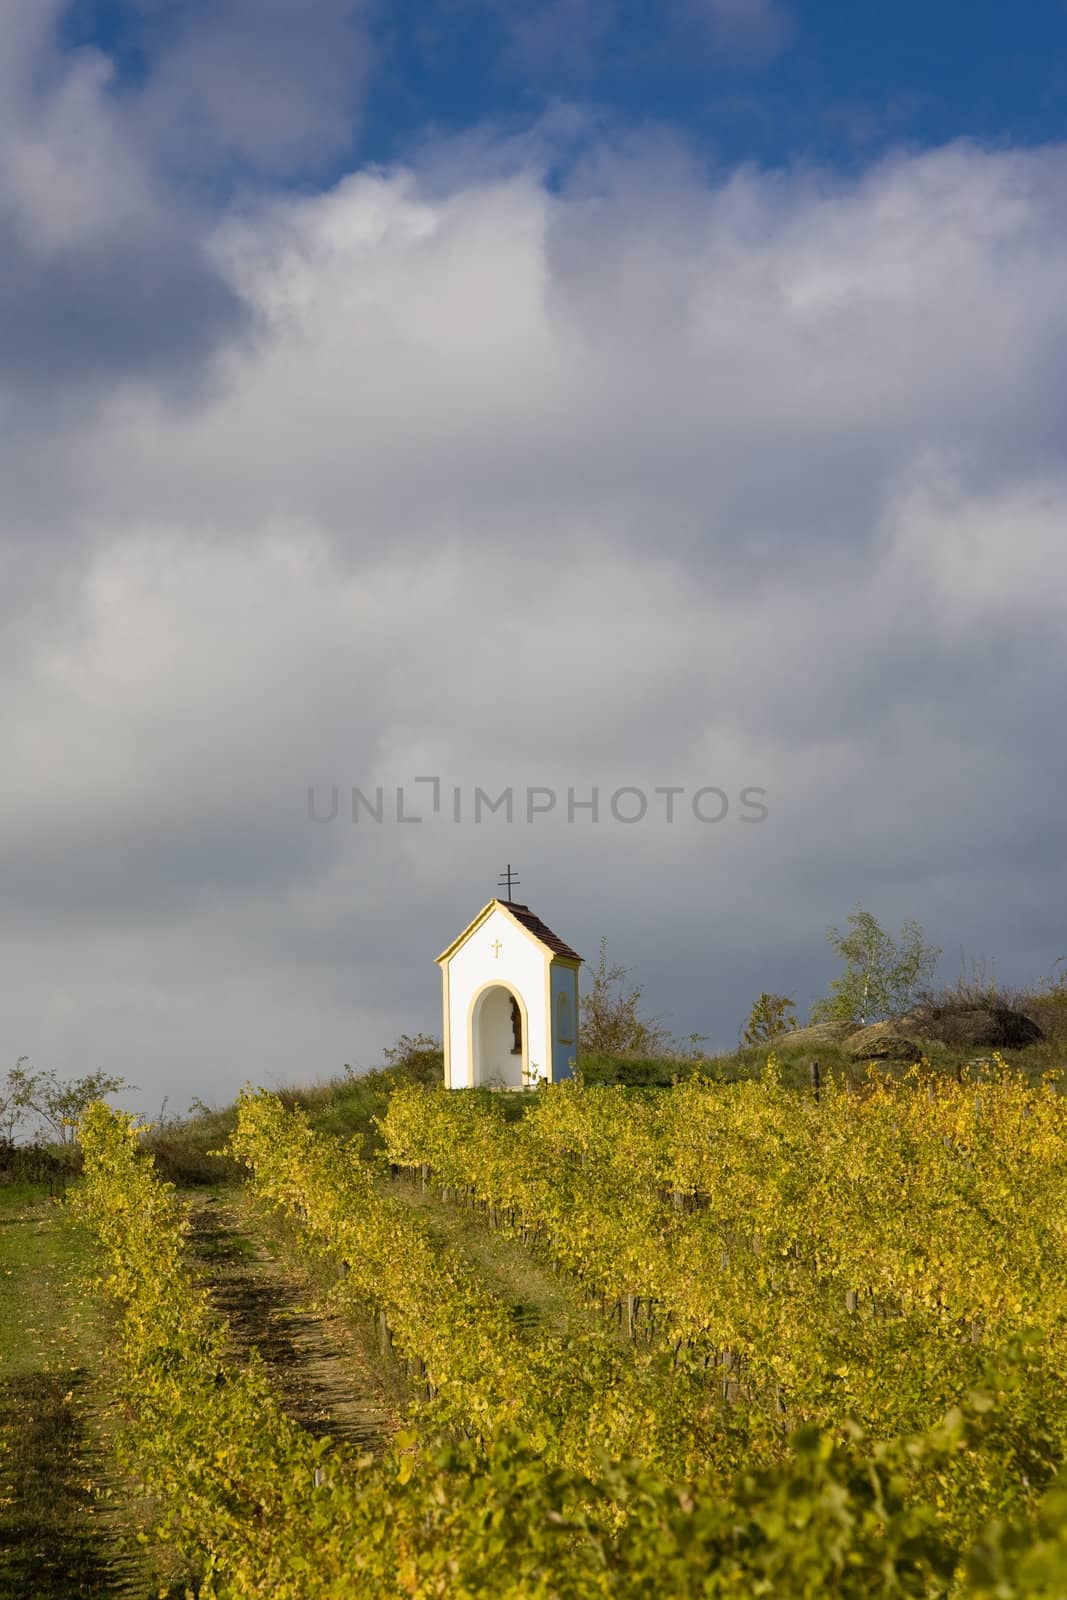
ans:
(820, 1033)
(974, 1027)
(882, 1041)
(915, 1021)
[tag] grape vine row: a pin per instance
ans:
(495, 1512)
(865, 1257)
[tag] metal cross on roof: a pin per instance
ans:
(509, 878)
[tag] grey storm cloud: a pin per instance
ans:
(643, 481)
(112, 306)
(274, 86)
(103, 270)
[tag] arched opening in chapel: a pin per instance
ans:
(498, 1038)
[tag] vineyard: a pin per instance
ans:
(801, 1347)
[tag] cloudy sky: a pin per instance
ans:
(585, 396)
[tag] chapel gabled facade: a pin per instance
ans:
(510, 996)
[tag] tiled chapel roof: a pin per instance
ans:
(533, 924)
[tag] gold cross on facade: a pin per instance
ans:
(496, 948)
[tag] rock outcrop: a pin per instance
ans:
(882, 1041)
(972, 1027)
(905, 1038)
(819, 1033)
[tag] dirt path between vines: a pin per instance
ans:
(318, 1362)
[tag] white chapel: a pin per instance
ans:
(510, 993)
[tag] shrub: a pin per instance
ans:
(770, 1015)
(610, 1023)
